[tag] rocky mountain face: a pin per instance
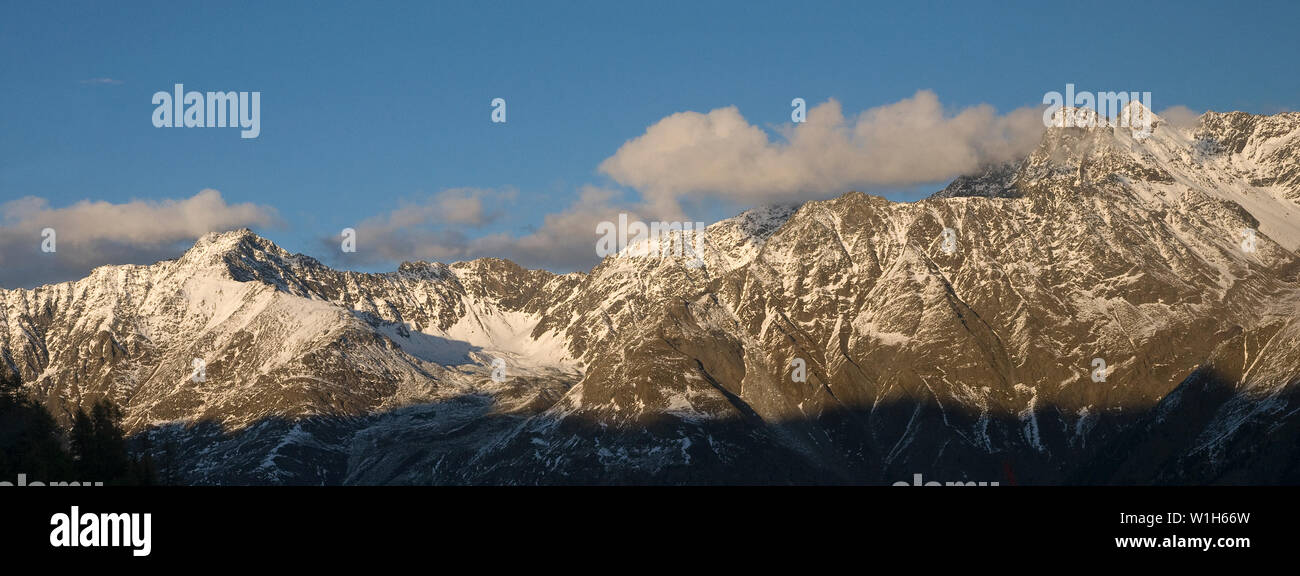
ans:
(1107, 310)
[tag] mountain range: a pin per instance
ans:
(1172, 259)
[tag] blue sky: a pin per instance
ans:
(367, 106)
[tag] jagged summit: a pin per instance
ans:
(250, 256)
(436, 270)
(1134, 116)
(1077, 118)
(235, 248)
(1137, 117)
(995, 181)
(242, 240)
(1209, 159)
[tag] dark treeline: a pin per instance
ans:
(95, 450)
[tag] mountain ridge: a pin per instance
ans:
(919, 358)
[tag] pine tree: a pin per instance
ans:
(110, 441)
(29, 437)
(99, 445)
(82, 443)
(144, 473)
(168, 461)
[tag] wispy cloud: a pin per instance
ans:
(564, 241)
(90, 234)
(102, 81)
(463, 206)
(429, 228)
(1181, 116)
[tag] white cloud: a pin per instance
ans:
(690, 156)
(465, 205)
(91, 234)
(1181, 117)
(452, 206)
(565, 240)
(428, 229)
(910, 142)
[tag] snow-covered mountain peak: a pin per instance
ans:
(422, 269)
(734, 242)
(232, 248)
(1136, 114)
(1071, 117)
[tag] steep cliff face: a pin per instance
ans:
(958, 337)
